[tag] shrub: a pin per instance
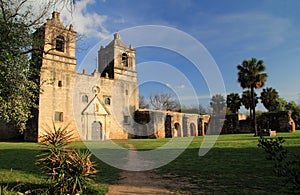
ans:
(68, 169)
(285, 165)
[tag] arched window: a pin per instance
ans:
(125, 59)
(60, 43)
(85, 99)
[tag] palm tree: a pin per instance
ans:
(246, 101)
(269, 98)
(233, 102)
(251, 75)
(218, 104)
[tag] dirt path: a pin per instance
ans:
(139, 183)
(146, 182)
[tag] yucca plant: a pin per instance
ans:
(69, 169)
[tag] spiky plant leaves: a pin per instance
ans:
(68, 169)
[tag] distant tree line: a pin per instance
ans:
(165, 101)
(251, 76)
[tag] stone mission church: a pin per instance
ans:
(103, 105)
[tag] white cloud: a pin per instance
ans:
(85, 22)
(89, 24)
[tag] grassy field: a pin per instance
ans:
(234, 165)
(18, 169)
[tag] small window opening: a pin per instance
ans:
(60, 43)
(85, 99)
(126, 92)
(58, 116)
(126, 119)
(59, 84)
(125, 59)
(107, 101)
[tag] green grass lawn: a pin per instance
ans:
(18, 169)
(234, 165)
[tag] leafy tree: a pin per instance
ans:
(19, 84)
(233, 102)
(292, 106)
(164, 101)
(286, 165)
(268, 98)
(251, 75)
(193, 109)
(17, 89)
(202, 110)
(281, 104)
(247, 102)
(218, 104)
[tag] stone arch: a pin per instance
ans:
(178, 129)
(192, 129)
(60, 43)
(125, 59)
(205, 128)
(168, 128)
(96, 130)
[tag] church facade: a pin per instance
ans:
(102, 105)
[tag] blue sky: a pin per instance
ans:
(230, 30)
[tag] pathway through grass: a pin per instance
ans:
(234, 165)
(146, 182)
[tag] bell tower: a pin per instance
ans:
(116, 59)
(116, 62)
(57, 63)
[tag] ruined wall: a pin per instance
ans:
(161, 124)
(277, 121)
(232, 124)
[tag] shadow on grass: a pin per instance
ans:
(233, 167)
(226, 170)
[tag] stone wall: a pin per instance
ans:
(162, 124)
(277, 121)
(236, 123)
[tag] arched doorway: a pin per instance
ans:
(178, 129)
(96, 130)
(193, 129)
(168, 128)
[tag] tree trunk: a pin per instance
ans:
(253, 110)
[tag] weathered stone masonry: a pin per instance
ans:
(102, 105)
